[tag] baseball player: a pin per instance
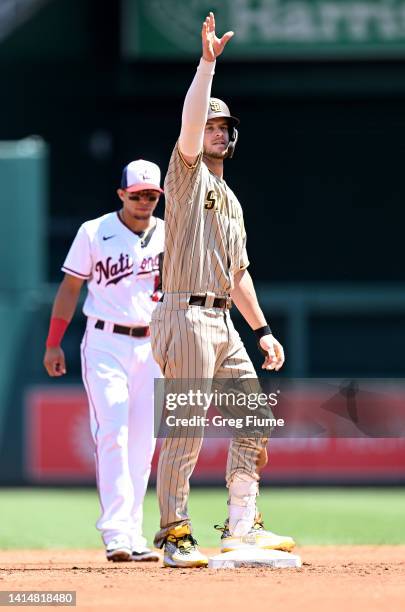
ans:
(193, 337)
(118, 256)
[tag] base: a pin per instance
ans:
(254, 557)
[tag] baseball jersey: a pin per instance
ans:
(205, 233)
(121, 269)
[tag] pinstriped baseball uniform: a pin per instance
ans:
(205, 234)
(205, 245)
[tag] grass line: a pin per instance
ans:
(65, 518)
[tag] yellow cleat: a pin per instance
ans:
(257, 536)
(181, 549)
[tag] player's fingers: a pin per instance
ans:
(54, 370)
(204, 38)
(58, 367)
(280, 357)
(269, 363)
(207, 24)
(62, 365)
(226, 38)
(272, 353)
(208, 51)
(48, 367)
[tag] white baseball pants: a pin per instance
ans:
(118, 374)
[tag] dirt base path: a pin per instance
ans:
(361, 578)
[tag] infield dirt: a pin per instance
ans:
(361, 578)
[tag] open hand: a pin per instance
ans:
(211, 44)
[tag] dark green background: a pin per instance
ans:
(319, 165)
(319, 170)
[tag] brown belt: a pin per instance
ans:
(135, 332)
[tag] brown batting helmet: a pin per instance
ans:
(218, 108)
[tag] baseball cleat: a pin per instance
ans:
(258, 536)
(119, 550)
(181, 549)
(145, 554)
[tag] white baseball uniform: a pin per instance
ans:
(122, 273)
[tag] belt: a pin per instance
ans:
(201, 300)
(204, 300)
(135, 332)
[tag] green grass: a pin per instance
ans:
(55, 518)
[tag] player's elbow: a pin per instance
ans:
(190, 143)
(239, 276)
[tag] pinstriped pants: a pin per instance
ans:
(194, 342)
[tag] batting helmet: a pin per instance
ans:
(218, 108)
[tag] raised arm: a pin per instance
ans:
(195, 107)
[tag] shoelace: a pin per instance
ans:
(184, 543)
(258, 524)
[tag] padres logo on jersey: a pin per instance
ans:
(217, 203)
(211, 200)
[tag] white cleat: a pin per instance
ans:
(257, 536)
(119, 550)
(181, 549)
(145, 554)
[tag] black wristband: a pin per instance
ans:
(262, 331)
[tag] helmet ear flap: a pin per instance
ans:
(233, 139)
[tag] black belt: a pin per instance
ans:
(135, 332)
(201, 300)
